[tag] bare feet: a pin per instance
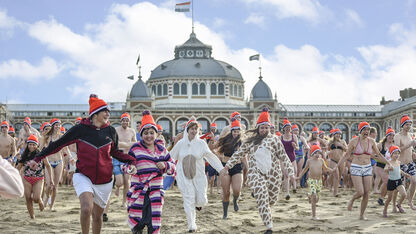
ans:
(41, 206)
(362, 217)
(412, 206)
(394, 209)
(400, 208)
(385, 213)
(349, 207)
(315, 218)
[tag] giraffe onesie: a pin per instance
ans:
(264, 175)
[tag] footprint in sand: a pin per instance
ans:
(72, 212)
(248, 222)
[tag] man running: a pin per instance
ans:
(7, 143)
(404, 140)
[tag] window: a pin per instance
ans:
(213, 89)
(194, 89)
(159, 90)
(308, 127)
(165, 89)
(176, 89)
(180, 124)
(221, 123)
(166, 125)
(231, 90)
(240, 91)
(183, 89)
(221, 89)
(202, 89)
(154, 89)
(235, 90)
(204, 124)
(326, 127)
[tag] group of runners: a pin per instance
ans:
(95, 157)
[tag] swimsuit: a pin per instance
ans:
(237, 169)
(290, 150)
(54, 164)
(33, 180)
(409, 168)
(383, 152)
(299, 153)
(315, 186)
(394, 179)
(361, 170)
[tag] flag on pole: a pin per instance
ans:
(130, 77)
(138, 60)
(183, 7)
(254, 57)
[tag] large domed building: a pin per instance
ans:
(193, 83)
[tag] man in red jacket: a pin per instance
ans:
(96, 142)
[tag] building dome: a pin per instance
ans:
(261, 91)
(193, 59)
(139, 90)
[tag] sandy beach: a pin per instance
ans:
(292, 216)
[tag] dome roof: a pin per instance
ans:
(195, 67)
(261, 90)
(193, 58)
(140, 90)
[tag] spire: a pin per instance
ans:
(140, 72)
(260, 77)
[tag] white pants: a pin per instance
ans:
(100, 192)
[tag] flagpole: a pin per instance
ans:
(192, 3)
(260, 66)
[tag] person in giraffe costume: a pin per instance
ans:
(264, 151)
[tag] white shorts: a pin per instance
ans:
(100, 192)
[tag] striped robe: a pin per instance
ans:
(148, 178)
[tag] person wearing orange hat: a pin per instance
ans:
(190, 152)
(300, 153)
(381, 174)
(290, 142)
(227, 129)
(316, 165)
(126, 138)
(12, 132)
(97, 142)
(160, 138)
(314, 139)
(227, 146)
(360, 150)
(46, 126)
(24, 133)
(33, 178)
(264, 152)
(145, 196)
(407, 145)
(7, 144)
(337, 148)
(394, 182)
(56, 161)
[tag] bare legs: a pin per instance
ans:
(362, 187)
(88, 208)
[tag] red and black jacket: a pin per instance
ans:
(94, 147)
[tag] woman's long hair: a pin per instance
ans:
(228, 144)
(255, 136)
(27, 155)
(49, 135)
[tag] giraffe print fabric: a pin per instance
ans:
(265, 185)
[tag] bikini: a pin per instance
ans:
(362, 170)
(332, 147)
(54, 164)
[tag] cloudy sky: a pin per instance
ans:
(313, 52)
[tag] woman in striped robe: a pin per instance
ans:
(145, 196)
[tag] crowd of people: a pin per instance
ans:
(96, 158)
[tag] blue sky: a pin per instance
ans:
(313, 52)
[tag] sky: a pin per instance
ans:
(312, 52)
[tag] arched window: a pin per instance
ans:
(308, 127)
(67, 126)
(194, 89)
(159, 90)
(240, 91)
(176, 89)
(183, 89)
(221, 123)
(299, 126)
(165, 89)
(204, 122)
(221, 89)
(36, 125)
(213, 89)
(231, 90)
(245, 123)
(154, 89)
(235, 90)
(326, 127)
(344, 130)
(116, 125)
(180, 125)
(354, 130)
(202, 89)
(167, 128)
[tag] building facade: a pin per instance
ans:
(195, 84)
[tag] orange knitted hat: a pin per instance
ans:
(315, 130)
(28, 121)
(264, 117)
(96, 104)
(235, 124)
(405, 119)
(147, 121)
(5, 124)
(390, 131)
(125, 116)
(33, 139)
(235, 115)
(286, 122)
(363, 125)
(46, 124)
(54, 121)
(159, 127)
(11, 129)
(315, 148)
(393, 149)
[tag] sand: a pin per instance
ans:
(293, 216)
